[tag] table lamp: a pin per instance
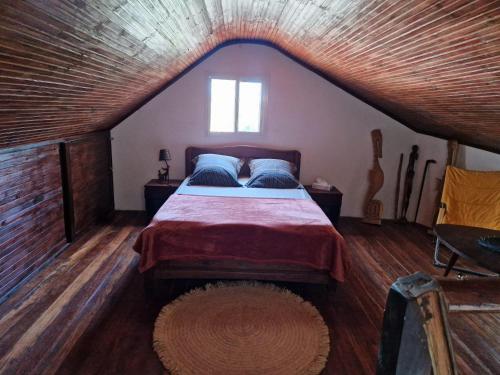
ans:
(163, 173)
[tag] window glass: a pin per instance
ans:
(222, 105)
(249, 106)
(235, 106)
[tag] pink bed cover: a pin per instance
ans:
(261, 230)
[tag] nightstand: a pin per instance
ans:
(156, 193)
(329, 201)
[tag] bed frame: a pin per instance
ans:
(245, 153)
(230, 269)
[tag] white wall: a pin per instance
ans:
(305, 112)
(473, 158)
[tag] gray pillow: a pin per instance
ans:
(216, 170)
(271, 173)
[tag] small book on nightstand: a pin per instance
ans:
(321, 184)
(317, 186)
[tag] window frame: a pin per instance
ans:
(238, 79)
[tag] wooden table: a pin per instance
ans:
(462, 241)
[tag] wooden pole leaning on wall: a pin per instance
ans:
(426, 168)
(373, 208)
(398, 187)
(408, 183)
(416, 338)
(451, 160)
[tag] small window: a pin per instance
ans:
(235, 106)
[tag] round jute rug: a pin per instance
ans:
(241, 328)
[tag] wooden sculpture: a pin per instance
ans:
(398, 185)
(408, 185)
(373, 208)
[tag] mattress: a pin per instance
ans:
(242, 192)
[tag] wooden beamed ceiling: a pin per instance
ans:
(73, 66)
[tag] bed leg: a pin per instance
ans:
(331, 288)
(149, 286)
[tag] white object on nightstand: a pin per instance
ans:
(321, 184)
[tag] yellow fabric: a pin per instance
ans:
(471, 198)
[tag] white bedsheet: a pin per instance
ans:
(242, 192)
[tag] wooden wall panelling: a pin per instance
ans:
(31, 212)
(89, 187)
(71, 67)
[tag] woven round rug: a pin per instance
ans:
(241, 328)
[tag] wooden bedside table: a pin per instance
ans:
(329, 201)
(156, 193)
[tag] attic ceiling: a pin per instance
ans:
(72, 66)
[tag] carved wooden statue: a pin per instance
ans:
(373, 208)
(408, 185)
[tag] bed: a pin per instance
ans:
(242, 233)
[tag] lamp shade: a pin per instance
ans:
(164, 155)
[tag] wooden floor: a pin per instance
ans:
(41, 322)
(41, 325)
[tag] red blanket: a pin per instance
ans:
(262, 230)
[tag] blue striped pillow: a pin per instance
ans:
(272, 173)
(216, 170)
(259, 165)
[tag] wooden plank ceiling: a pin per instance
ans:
(72, 66)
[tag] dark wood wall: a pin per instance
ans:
(90, 181)
(50, 194)
(72, 67)
(31, 212)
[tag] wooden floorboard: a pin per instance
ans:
(120, 342)
(42, 321)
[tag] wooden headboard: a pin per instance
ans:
(243, 152)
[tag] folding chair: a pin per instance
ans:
(470, 198)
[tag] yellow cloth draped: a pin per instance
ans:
(471, 198)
